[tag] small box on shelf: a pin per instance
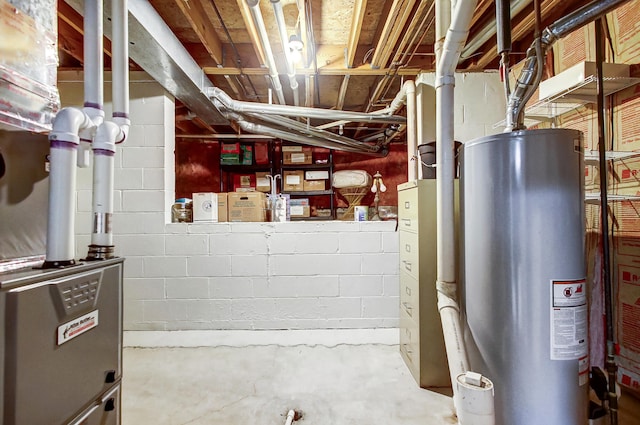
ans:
(293, 181)
(247, 154)
(244, 182)
(247, 206)
(300, 208)
(261, 153)
(314, 185)
(303, 155)
(263, 184)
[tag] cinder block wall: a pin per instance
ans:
(237, 275)
(263, 276)
(228, 275)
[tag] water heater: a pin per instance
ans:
(524, 296)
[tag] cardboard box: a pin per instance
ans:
(314, 185)
(222, 208)
(261, 153)
(293, 181)
(230, 153)
(247, 206)
(316, 175)
(299, 208)
(244, 181)
(229, 148)
(302, 156)
(205, 206)
(247, 154)
(263, 184)
(230, 159)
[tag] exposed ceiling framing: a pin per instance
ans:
(363, 49)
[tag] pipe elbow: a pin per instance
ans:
(252, 3)
(67, 125)
(106, 135)
(123, 122)
(409, 86)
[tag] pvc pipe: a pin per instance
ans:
(290, 417)
(256, 14)
(93, 63)
(475, 399)
(282, 29)
(64, 140)
(297, 111)
(120, 67)
(446, 286)
(104, 149)
(412, 132)
(489, 30)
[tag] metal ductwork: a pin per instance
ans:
(531, 74)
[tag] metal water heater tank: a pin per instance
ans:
(523, 294)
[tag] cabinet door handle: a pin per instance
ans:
(407, 247)
(407, 350)
(407, 290)
(408, 308)
(406, 222)
(407, 265)
(407, 205)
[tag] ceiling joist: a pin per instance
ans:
(195, 13)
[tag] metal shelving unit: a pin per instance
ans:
(327, 192)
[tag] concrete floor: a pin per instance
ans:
(332, 384)
(365, 384)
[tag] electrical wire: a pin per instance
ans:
(235, 51)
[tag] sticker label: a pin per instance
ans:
(583, 370)
(77, 327)
(569, 317)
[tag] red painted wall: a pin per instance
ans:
(198, 170)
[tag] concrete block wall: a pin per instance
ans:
(479, 105)
(262, 276)
(228, 275)
(240, 275)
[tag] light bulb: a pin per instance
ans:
(383, 188)
(374, 189)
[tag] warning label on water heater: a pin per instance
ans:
(569, 319)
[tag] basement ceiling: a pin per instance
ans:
(355, 54)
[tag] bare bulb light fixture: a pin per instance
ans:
(295, 48)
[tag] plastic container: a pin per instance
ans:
(428, 159)
(182, 211)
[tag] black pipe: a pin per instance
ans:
(503, 25)
(604, 217)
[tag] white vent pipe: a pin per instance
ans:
(256, 14)
(412, 131)
(282, 29)
(108, 134)
(63, 155)
(120, 66)
(93, 62)
(446, 285)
